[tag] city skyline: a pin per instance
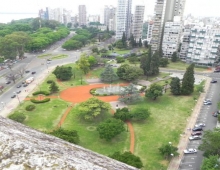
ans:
(30, 8)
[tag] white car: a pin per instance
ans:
(207, 100)
(200, 125)
(188, 151)
(195, 137)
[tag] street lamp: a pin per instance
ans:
(17, 98)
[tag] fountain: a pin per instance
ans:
(109, 90)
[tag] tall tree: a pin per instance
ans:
(132, 41)
(53, 87)
(188, 81)
(123, 39)
(175, 86)
(154, 64)
(210, 142)
(128, 158)
(145, 62)
(160, 52)
(83, 64)
(145, 44)
(108, 75)
(154, 91)
(110, 128)
(174, 57)
(140, 42)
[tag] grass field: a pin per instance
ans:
(89, 137)
(43, 55)
(60, 56)
(166, 123)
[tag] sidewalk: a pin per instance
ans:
(175, 162)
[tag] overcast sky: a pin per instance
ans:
(9, 9)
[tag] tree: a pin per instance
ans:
(12, 76)
(140, 113)
(145, 44)
(175, 86)
(128, 158)
(92, 61)
(123, 40)
(123, 114)
(164, 62)
(146, 61)
(129, 73)
(83, 64)
(188, 81)
(154, 91)
(211, 163)
(53, 87)
(130, 94)
(168, 151)
(20, 71)
(110, 128)
(160, 52)
(108, 75)
(174, 57)
(119, 44)
(210, 142)
(69, 24)
(154, 64)
(67, 135)
(132, 41)
(120, 59)
(140, 42)
(95, 50)
(63, 73)
(93, 109)
(18, 117)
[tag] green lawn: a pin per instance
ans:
(182, 66)
(89, 137)
(60, 56)
(46, 116)
(43, 55)
(166, 123)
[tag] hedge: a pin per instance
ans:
(49, 81)
(46, 93)
(40, 101)
(18, 117)
(30, 107)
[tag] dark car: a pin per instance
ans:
(27, 71)
(33, 72)
(215, 114)
(25, 85)
(8, 82)
(197, 129)
(18, 86)
(214, 81)
(13, 96)
(216, 71)
(18, 92)
(196, 133)
(49, 60)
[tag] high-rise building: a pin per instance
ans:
(138, 22)
(82, 15)
(123, 18)
(149, 31)
(165, 10)
(185, 43)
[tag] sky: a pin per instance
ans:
(15, 9)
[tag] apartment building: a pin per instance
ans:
(123, 18)
(149, 31)
(171, 37)
(137, 25)
(185, 43)
(82, 15)
(203, 45)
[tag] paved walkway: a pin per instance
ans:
(175, 162)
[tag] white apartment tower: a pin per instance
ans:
(138, 22)
(185, 43)
(165, 10)
(123, 18)
(149, 31)
(203, 45)
(171, 37)
(82, 15)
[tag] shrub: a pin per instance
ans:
(30, 107)
(49, 81)
(40, 101)
(46, 93)
(18, 117)
(120, 59)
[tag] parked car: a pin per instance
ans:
(200, 125)
(27, 71)
(215, 114)
(196, 133)
(18, 92)
(18, 86)
(7, 82)
(195, 137)
(214, 81)
(216, 71)
(197, 129)
(33, 72)
(25, 85)
(207, 100)
(189, 151)
(207, 103)
(13, 96)
(48, 59)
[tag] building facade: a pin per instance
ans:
(82, 15)
(203, 46)
(171, 38)
(123, 18)
(137, 25)
(185, 43)
(149, 31)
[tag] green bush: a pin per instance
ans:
(18, 117)
(49, 81)
(46, 93)
(120, 59)
(30, 107)
(40, 101)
